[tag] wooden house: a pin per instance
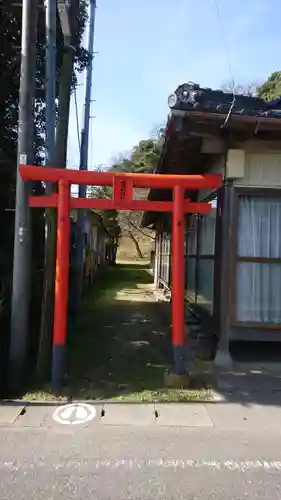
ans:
(101, 241)
(233, 255)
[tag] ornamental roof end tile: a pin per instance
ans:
(190, 97)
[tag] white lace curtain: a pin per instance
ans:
(208, 233)
(258, 297)
(165, 257)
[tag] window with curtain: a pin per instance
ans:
(165, 257)
(206, 256)
(161, 256)
(170, 261)
(258, 269)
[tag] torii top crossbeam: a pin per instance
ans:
(92, 178)
(122, 199)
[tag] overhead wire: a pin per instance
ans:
(77, 120)
(90, 153)
(74, 188)
(227, 56)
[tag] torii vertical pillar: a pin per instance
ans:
(178, 283)
(61, 288)
(123, 185)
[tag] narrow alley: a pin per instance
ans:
(120, 344)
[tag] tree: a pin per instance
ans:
(271, 88)
(145, 156)
(10, 31)
(240, 89)
(142, 159)
(129, 222)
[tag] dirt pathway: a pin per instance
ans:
(120, 345)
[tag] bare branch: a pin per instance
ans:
(138, 229)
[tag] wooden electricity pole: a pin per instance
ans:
(68, 18)
(22, 236)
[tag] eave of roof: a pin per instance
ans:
(197, 113)
(190, 97)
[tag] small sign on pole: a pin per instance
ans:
(23, 159)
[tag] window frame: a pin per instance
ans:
(236, 259)
(165, 258)
(218, 195)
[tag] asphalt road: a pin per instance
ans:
(139, 463)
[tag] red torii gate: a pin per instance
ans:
(123, 185)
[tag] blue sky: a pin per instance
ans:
(148, 47)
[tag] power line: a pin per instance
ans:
(227, 55)
(91, 143)
(83, 165)
(226, 49)
(77, 120)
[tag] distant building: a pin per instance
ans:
(101, 241)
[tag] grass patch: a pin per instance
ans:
(166, 396)
(113, 279)
(43, 395)
(119, 348)
(145, 396)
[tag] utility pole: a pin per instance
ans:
(50, 117)
(68, 12)
(81, 216)
(51, 53)
(22, 236)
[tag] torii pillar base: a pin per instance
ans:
(175, 381)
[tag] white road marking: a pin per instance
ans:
(74, 414)
(231, 465)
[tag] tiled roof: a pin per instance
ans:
(191, 97)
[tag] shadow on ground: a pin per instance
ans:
(124, 349)
(132, 265)
(120, 347)
(120, 344)
(254, 378)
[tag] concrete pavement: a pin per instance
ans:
(244, 416)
